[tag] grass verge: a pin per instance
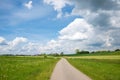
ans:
(26, 68)
(98, 69)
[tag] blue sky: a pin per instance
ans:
(37, 26)
(28, 23)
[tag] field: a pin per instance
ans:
(26, 68)
(98, 66)
(102, 67)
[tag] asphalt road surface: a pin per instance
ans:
(65, 71)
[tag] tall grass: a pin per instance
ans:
(26, 68)
(98, 69)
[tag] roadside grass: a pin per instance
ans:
(26, 67)
(98, 68)
(100, 53)
(97, 57)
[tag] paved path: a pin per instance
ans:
(65, 71)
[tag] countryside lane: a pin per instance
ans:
(65, 71)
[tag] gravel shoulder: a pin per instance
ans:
(65, 71)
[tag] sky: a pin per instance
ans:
(54, 26)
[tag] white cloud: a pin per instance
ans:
(79, 29)
(80, 34)
(17, 41)
(59, 15)
(2, 40)
(74, 36)
(51, 47)
(114, 20)
(108, 42)
(30, 48)
(98, 13)
(101, 18)
(13, 46)
(58, 5)
(28, 5)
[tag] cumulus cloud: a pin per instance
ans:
(2, 41)
(58, 5)
(79, 29)
(76, 35)
(98, 13)
(28, 5)
(51, 47)
(13, 46)
(30, 48)
(17, 41)
(99, 27)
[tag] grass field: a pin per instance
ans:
(26, 68)
(99, 53)
(98, 67)
(97, 57)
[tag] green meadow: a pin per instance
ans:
(98, 66)
(101, 67)
(26, 67)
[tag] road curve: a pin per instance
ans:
(65, 71)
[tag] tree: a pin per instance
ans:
(84, 52)
(117, 50)
(77, 51)
(55, 54)
(61, 53)
(45, 55)
(81, 52)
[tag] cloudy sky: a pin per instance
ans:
(38, 26)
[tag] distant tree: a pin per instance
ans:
(61, 53)
(77, 51)
(92, 52)
(81, 52)
(45, 55)
(84, 52)
(117, 50)
(55, 54)
(7, 54)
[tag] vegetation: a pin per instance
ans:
(61, 54)
(95, 53)
(26, 67)
(98, 67)
(117, 50)
(81, 52)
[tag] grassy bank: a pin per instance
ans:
(26, 68)
(98, 69)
